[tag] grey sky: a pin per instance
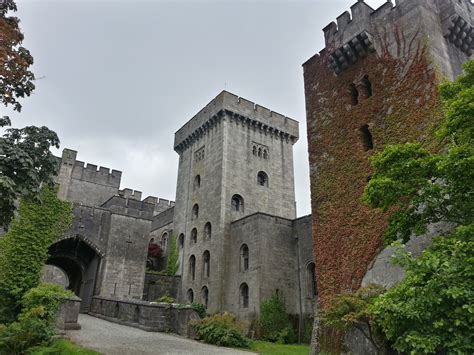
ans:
(120, 77)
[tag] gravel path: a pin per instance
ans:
(115, 339)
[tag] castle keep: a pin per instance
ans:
(234, 220)
(375, 83)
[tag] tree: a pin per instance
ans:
(25, 160)
(432, 309)
(424, 187)
(16, 80)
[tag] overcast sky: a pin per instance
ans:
(116, 79)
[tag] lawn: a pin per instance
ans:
(61, 347)
(266, 348)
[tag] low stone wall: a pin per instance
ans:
(160, 285)
(155, 317)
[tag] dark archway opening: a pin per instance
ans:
(80, 263)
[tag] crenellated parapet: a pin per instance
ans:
(227, 106)
(97, 175)
(365, 30)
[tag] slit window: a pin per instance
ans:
(354, 94)
(205, 296)
(194, 235)
(190, 295)
(197, 182)
(244, 257)
(244, 295)
(206, 263)
(366, 138)
(367, 86)
(207, 230)
(192, 267)
(195, 213)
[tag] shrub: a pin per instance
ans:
(24, 248)
(35, 324)
(223, 330)
(166, 299)
(274, 322)
(200, 309)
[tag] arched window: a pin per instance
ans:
(195, 213)
(254, 150)
(206, 263)
(244, 257)
(164, 241)
(181, 240)
(207, 230)
(237, 203)
(265, 154)
(190, 295)
(197, 182)
(244, 295)
(194, 235)
(262, 179)
(192, 267)
(366, 138)
(259, 152)
(367, 86)
(205, 296)
(354, 94)
(311, 289)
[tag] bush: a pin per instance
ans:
(173, 258)
(223, 330)
(35, 324)
(274, 322)
(61, 347)
(200, 309)
(166, 299)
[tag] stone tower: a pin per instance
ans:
(235, 159)
(375, 83)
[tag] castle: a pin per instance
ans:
(234, 220)
(375, 83)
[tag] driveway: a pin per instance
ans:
(115, 339)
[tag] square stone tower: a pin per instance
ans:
(375, 83)
(235, 159)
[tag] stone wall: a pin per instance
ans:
(156, 317)
(160, 285)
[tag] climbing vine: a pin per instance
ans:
(24, 249)
(173, 262)
(403, 107)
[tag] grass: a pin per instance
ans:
(267, 348)
(61, 347)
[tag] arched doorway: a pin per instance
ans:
(80, 262)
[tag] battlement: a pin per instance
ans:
(131, 194)
(227, 103)
(362, 17)
(129, 206)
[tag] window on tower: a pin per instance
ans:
(262, 178)
(237, 203)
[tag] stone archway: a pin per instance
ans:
(80, 261)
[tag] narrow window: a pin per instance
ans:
(190, 295)
(244, 257)
(254, 150)
(206, 260)
(181, 240)
(354, 94)
(197, 182)
(205, 296)
(164, 241)
(207, 230)
(244, 295)
(195, 213)
(262, 179)
(366, 138)
(194, 235)
(367, 86)
(259, 152)
(265, 154)
(237, 203)
(311, 289)
(192, 267)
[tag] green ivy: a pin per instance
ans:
(24, 248)
(173, 262)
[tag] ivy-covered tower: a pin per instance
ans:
(375, 83)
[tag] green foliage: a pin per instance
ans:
(24, 248)
(354, 311)
(173, 262)
(166, 299)
(274, 322)
(423, 187)
(61, 347)
(223, 330)
(432, 309)
(200, 309)
(35, 324)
